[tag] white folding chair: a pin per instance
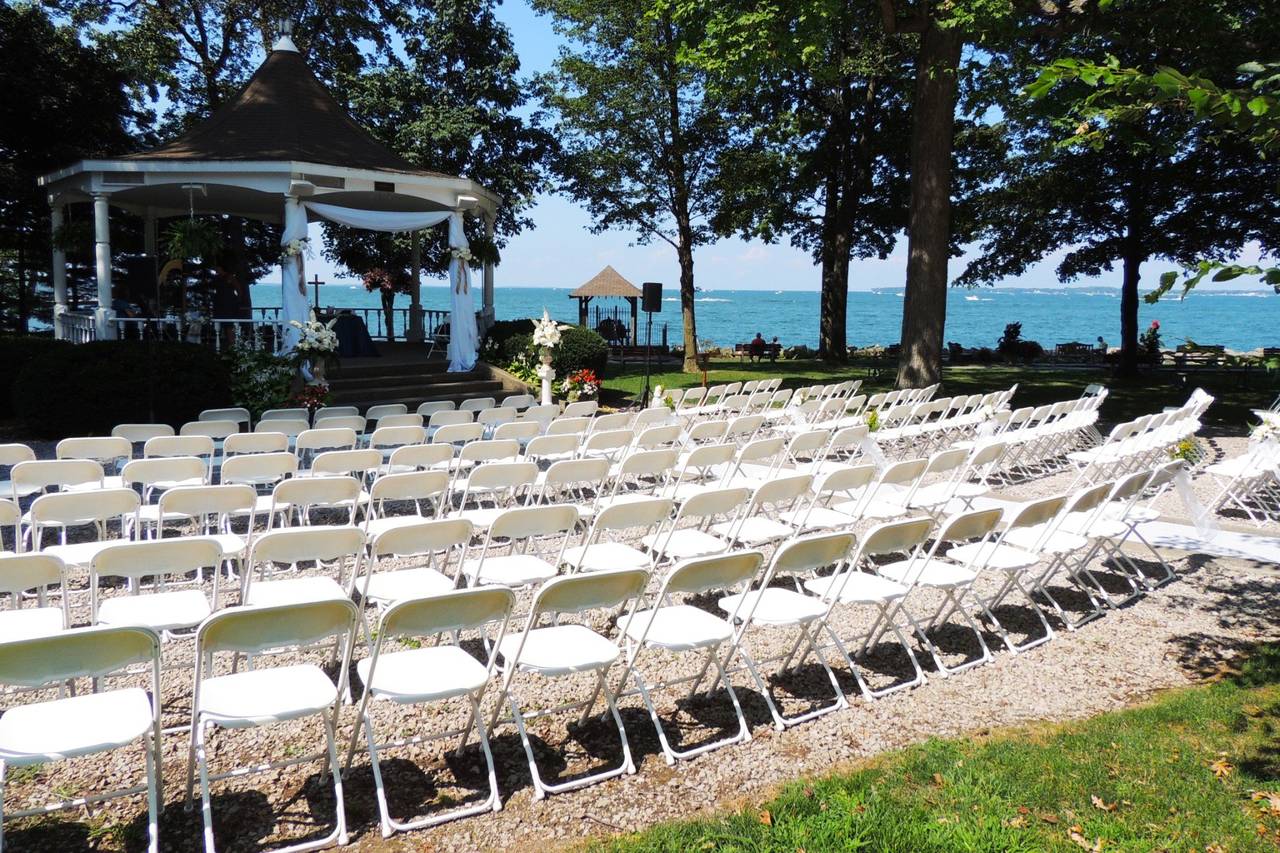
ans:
(212, 510)
(430, 408)
(761, 522)
(604, 547)
(492, 488)
(95, 510)
(581, 409)
(255, 442)
(535, 539)
(421, 675)
(269, 694)
(11, 455)
(239, 414)
(416, 487)
(679, 627)
(136, 433)
(433, 543)
(19, 575)
(301, 496)
(343, 547)
(42, 733)
(564, 648)
(477, 404)
(292, 413)
(687, 536)
(156, 606)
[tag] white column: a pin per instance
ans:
(414, 333)
(59, 273)
(488, 275)
(104, 316)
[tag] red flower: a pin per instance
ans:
(1155, 324)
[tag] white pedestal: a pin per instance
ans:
(546, 373)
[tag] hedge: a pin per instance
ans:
(580, 348)
(87, 389)
(494, 347)
(16, 351)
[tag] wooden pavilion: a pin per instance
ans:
(610, 283)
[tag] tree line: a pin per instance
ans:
(1011, 131)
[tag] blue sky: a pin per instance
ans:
(561, 251)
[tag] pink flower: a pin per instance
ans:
(1155, 324)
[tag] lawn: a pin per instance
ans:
(1197, 769)
(1128, 398)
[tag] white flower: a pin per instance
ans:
(461, 254)
(545, 331)
(294, 248)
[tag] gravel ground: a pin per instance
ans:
(1175, 636)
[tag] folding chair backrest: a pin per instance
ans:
(423, 537)
(213, 429)
(610, 440)
(449, 417)
(168, 471)
(239, 414)
(632, 514)
(846, 479)
(985, 454)
(569, 426)
(202, 501)
(10, 515)
(975, 524)
(135, 433)
(781, 490)
(519, 430)
(581, 409)
(459, 433)
(543, 414)
(715, 502)
(397, 436)
(252, 630)
(606, 423)
(648, 463)
(477, 404)
(336, 412)
(326, 438)
(255, 442)
(74, 508)
(709, 455)
(527, 522)
(651, 417)
(355, 423)
(156, 558)
(353, 462)
(947, 460)
(377, 413)
(292, 427)
(41, 474)
(495, 416)
(490, 451)
(107, 449)
(577, 472)
(723, 571)
(420, 455)
(22, 572)
(808, 443)
(502, 475)
(409, 486)
(903, 472)
(815, 551)
(259, 468)
(317, 491)
(704, 431)
(762, 449)
(593, 591)
(896, 536)
(394, 421)
(78, 653)
(658, 436)
(1132, 485)
(743, 427)
(450, 611)
(178, 445)
(1165, 474)
(1089, 499)
(518, 401)
(12, 454)
(552, 445)
(430, 408)
(293, 413)
(1035, 513)
(298, 544)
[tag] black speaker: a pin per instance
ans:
(652, 299)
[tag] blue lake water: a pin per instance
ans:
(1238, 319)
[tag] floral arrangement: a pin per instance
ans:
(316, 340)
(458, 253)
(1150, 339)
(311, 397)
(546, 333)
(379, 279)
(669, 402)
(581, 385)
(300, 248)
(1185, 450)
(1265, 432)
(873, 421)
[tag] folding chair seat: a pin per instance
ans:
(565, 648)
(763, 605)
(429, 674)
(677, 627)
(418, 487)
(63, 510)
(269, 694)
(20, 574)
(434, 542)
(341, 546)
(500, 485)
(43, 733)
(760, 522)
(535, 538)
(603, 548)
(165, 611)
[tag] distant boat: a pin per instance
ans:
(972, 299)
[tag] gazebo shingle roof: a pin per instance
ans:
(282, 113)
(607, 282)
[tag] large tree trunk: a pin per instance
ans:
(685, 253)
(1129, 315)
(832, 340)
(924, 309)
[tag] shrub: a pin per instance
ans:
(493, 348)
(798, 351)
(259, 380)
(89, 388)
(1013, 348)
(580, 349)
(15, 352)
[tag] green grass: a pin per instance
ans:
(1190, 771)
(1128, 398)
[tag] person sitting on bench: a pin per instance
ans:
(758, 346)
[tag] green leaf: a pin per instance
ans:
(1251, 68)
(1227, 274)
(1259, 106)
(1272, 276)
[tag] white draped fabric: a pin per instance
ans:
(293, 272)
(378, 220)
(463, 335)
(464, 338)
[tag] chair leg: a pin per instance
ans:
(206, 807)
(153, 801)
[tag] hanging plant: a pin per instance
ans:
(187, 239)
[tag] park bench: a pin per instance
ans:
(771, 351)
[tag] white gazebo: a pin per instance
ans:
(283, 151)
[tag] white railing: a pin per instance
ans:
(220, 334)
(79, 328)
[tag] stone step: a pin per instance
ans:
(369, 395)
(369, 367)
(344, 382)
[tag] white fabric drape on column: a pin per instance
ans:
(378, 220)
(293, 273)
(463, 336)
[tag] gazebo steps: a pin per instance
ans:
(368, 385)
